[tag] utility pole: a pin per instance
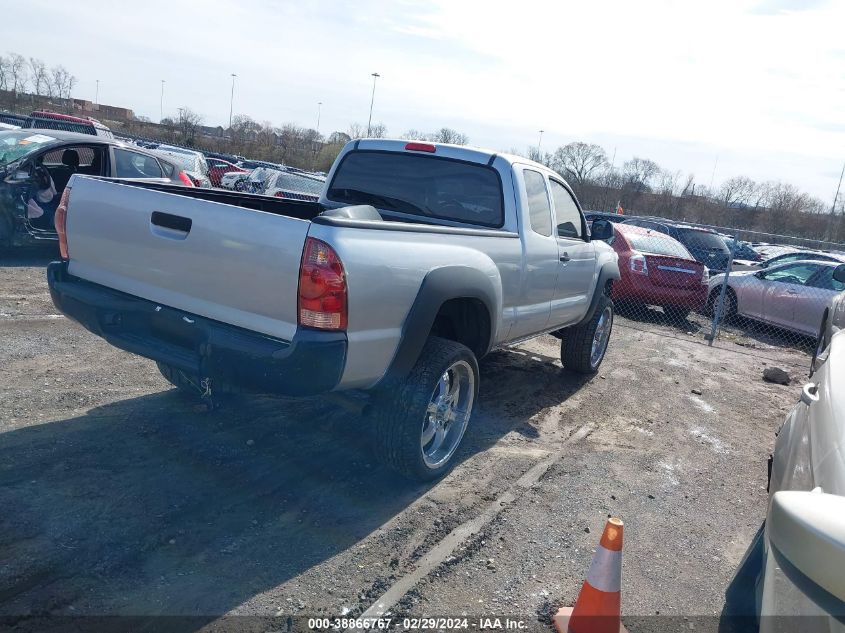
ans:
(540, 144)
(232, 100)
(161, 103)
(713, 175)
(836, 197)
(319, 105)
(97, 94)
(372, 99)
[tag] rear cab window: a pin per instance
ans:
(539, 209)
(425, 188)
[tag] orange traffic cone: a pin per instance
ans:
(597, 609)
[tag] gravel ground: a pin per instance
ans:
(121, 497)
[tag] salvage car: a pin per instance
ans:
(655, 270)
(191, 162)
(418, 259)
(36, 161)
(792, 296)
(802, 570)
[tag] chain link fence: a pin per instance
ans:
(722, 286)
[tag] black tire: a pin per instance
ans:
(239, 185)
(730, 309)
(676, 313)
(400, 410)
(821, 343)
(576, 348)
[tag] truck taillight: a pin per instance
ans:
(279, 194)
(639, 265)
(186, 180)
(60, 221)
(322, 288)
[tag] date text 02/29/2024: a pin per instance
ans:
(417, 624)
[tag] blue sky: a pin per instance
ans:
(758, 85)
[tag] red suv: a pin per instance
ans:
(657, 270)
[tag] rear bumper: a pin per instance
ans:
(311, 363)
(643, 290)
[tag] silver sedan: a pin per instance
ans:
(794, 296)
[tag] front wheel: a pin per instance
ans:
(583, 346)
(419, 423)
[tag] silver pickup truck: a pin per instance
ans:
(417, 260)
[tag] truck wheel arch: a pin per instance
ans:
(608, 273)
(454, 302)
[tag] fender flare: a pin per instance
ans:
(608, 272)
(438, 287)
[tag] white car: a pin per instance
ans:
(295, 186)
(234, 180)
(802, 570)
(794, 296)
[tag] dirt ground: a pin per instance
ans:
(119, 497)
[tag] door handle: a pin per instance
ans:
(167, 225)
(565, 257)
(810, 393)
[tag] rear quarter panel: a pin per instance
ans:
(385, 270)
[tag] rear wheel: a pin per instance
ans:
(583, 346)
(420, 422)
(730, 309)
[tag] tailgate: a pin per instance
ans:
(235, 265)
(674, 272)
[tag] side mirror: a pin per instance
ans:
(839, 273)
(602, 230)
(807, 529)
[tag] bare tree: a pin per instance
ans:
(188, 122)
(4, 73)
(448, 135)
(62, 82)
(737, 191)
(639, 173)
(16, 70)
(378, 130)
(579, 162)
(39, 77)
(356, 130)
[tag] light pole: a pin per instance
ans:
(540, 142)
(161, 103)
(372, 99)
(319, 105)
(838, 187)
(232, 100)
(97, 94)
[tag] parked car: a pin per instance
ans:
(295, 186)
(742, 251)
(833, 318)
(235, 180)
(29, 158)
(191, 162)
(15, 120)
(255, 164)
(46, 120)
(217, 167)
(417, 260)
(655, 269)
(591, 216)
(802, 566)
(793, 296)
(704, 244)
(795, 256)
(257, 179)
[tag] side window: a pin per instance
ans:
(128, 164)
(566, 212)
(796, 274)
(826, 281)
(539, 209)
